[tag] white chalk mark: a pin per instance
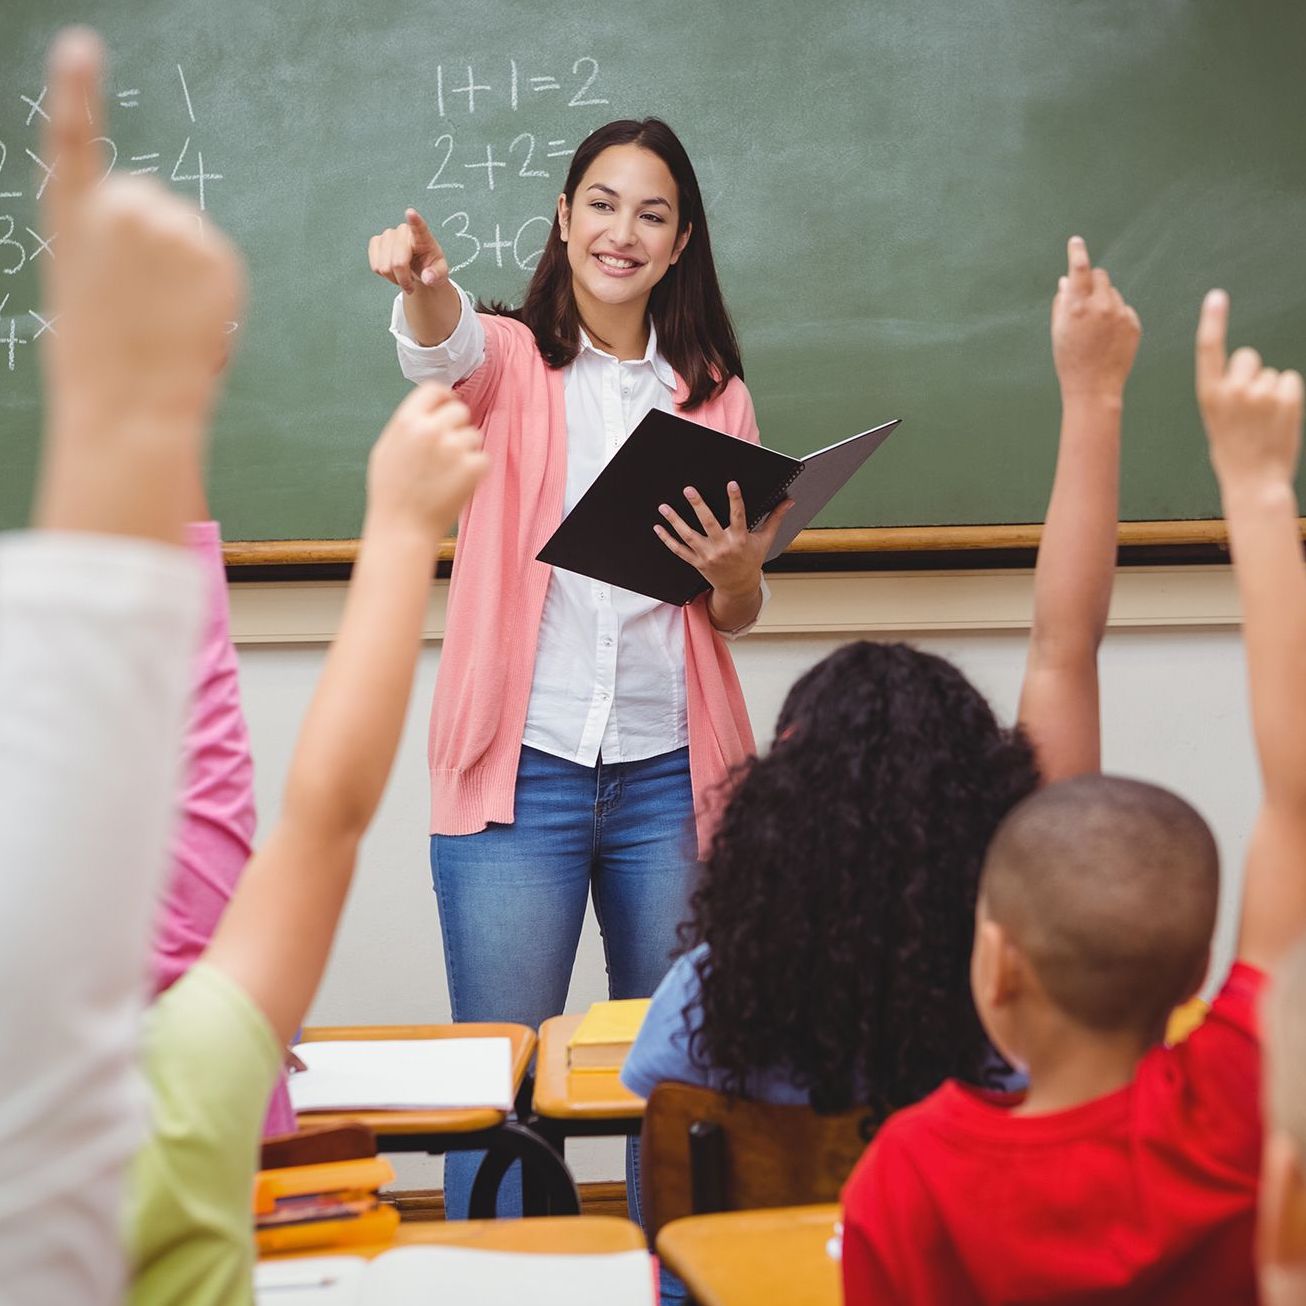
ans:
(435, 183)
(185, 90)
(439, 89)
(201, 176)
(531, 260)
(470, 90)
(35, 106)
(47, 324)
(545, 84)
(126, 99)
(42, 245)
(143, 158)
(462, 234)
(526, 169)
(230, 328)
(12, 340)
(558, 154)
(45, 168)
(3, 302)
(576, 101)
(113, 157)
(489, 165)
(7, 194)
(512, 63)
(8, 239)
(498, 245)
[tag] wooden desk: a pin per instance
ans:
(592, 1102)
(560, 1235)
(741, 1258)
(548, 1188)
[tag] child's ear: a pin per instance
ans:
(681, 241)
(1281, 1232)
(992, 977)
(564, 217)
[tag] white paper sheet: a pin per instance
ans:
(410, 1275)
(403, 1074)
(310, 1281)
(421, 1276)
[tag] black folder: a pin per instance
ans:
(609, 535)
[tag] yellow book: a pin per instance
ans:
(603, 1038)
(374, 1226)
(363, 1174)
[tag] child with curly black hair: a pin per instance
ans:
(830, 935)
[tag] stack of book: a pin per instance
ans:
(604, 1036)
(319, 1189)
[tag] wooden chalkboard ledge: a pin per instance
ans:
(1020, 539)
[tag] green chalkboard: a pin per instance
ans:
(890, 186)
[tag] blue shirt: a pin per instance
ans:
(662, 1049)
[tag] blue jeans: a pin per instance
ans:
(512, 901)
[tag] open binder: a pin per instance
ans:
(609, 535)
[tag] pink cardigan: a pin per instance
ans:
(497, 592)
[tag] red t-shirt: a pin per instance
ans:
(1145, 1195)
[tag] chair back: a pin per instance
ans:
(703, 1151)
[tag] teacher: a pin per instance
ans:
(579, 731)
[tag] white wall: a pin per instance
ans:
(1174, 711)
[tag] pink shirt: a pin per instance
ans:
(497, 597)
(214, 835)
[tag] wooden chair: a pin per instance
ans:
(704, 1152)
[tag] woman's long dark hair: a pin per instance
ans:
(838, 900)
(695, 334)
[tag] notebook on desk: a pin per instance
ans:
(408, 1276)
(609, 534)
(408, 1074)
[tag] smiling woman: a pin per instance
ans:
(578, 730)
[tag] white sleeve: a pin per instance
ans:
(97, 638)
(740, 631)
(448, 363)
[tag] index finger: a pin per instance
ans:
(71, 137)
(1212, 331)
(1078, 267)
(417, 225)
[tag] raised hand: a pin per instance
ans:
(1252, 413)
(425, 464)
(139, 297)
(1095, 333)
(729, 557)
(409, 256)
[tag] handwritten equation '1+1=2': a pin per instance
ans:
(23, 242)
(524, 169)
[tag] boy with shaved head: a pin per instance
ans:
(1128, 1172)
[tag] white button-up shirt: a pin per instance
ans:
(610, 664)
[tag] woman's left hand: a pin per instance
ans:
(728, 557)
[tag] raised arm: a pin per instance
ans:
(1253, 417)
(98, 613)
(276, 935)
(1094, 339)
